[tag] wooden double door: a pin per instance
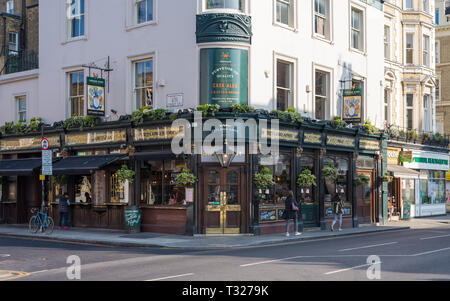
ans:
(365, 196)
(224, 201)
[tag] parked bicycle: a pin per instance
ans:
(41, 221)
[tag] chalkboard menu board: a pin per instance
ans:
(280, 214)
(268, 215)
(329, 212)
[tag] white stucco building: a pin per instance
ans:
(301, 54)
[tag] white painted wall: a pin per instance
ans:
(172, 42)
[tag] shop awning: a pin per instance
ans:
(20, 167)
(84, 165)
(403, 172)
(156, 156)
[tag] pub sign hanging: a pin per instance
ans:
(95, 96)
(352, 105)
(224, 76)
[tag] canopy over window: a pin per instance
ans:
(84, 165)
(402, 172)
(21, 167)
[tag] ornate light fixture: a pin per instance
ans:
(226, 157)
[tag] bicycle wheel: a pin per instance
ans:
(34, 224)
(49, 225)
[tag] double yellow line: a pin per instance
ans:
(11, 275)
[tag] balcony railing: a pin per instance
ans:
(378, 4)
(418, 137)
(19, 61)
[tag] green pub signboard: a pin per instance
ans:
(224, 76)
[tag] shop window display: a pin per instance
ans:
(158, 183)
(280, 166)
(432, 189)
(83, 189)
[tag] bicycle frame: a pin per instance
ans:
(41, 221)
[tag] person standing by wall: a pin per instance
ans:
(64, 204)
(291, 212)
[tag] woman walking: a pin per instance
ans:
(338, 211)
(291, 212)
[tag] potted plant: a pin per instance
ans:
(362, 180)
(387, 178)
(306, 179)
(330, 174)
(125, 174)
(263, 180)
(186, 179)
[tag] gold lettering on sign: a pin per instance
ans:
(284, 135)
(369, 144)
(108, 136)
(341, 141)
(156, 133)
(312, 138)
(26, 143)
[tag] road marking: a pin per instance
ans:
(11, 275)
(366, 247)
(171, 277)
(430, 252)
(352, 268)
(4, 255)
(433, 237)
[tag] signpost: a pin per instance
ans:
(47, 165)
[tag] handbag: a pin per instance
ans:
(294, 207)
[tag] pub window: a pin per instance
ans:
(76, 93)
(83, 189)
(284, 85)
(285, 12)
(119, 190)
(341, 186)
(143, 83)
(158, 183)
(307, 193)
(226, 4)
(144, 11)
(21, 105)
(322, 92)
(76, 18)
(322, 18)
(280, 166)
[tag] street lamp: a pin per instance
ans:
(226, 157)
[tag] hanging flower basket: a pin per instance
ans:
(387, 178)
(125, 174)
(263, 179)
(306, 179)
(186, 179)
(362, 180)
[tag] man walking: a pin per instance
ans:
(64, 204)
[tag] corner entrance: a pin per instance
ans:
(223, 201)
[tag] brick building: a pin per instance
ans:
(19, 35)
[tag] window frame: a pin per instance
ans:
(426, 55)
(292, 14)
(73, 97)
(409, 111)
(411, 49)
(328, 101)
(68, 21)
(293, 81)
(16, 45)
(328, 37)
(10, 7)
(387, 42)
(133, 83)
(17, 99)
(203, 8)
(361, 31)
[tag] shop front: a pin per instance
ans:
(86, 171)
(163, 203)
(430, 192)
(402, 188)
(20, 166)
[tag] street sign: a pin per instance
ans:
(47, 162)
(45, 145)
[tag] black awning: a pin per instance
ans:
(84, 165)
(156, 156)
(20, 167)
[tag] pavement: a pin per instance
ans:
(198, 242)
